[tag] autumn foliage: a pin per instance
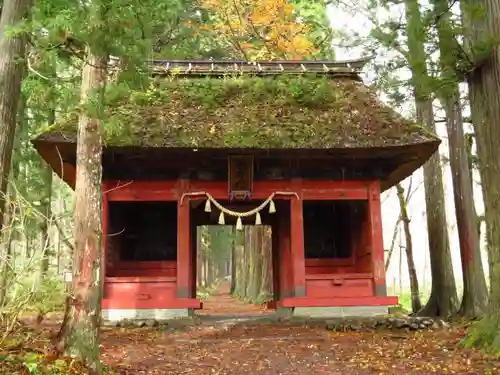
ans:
(261, 29)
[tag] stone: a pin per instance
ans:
(370, 324)
(152, 323)
(440, 324)
(355, 326)
(400, 323)
(414, 326)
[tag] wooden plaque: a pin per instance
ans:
(240, 169)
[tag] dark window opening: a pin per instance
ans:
(330, 227)
(144, 231)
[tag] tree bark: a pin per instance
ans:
(416, 304)
(47, 250)
(393, 244)
(80, 336)
(249, 248)
(246, 264)
(395, 231)
(475, 293)
(469, 141)
(240, 264)
(239, 290)
(7, 259)
(266, 288)
(256, 276)
(443, 300)
(199, 258)
(233, 259)
(484, 81)
(12, 67)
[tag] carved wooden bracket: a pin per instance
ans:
(240, 176)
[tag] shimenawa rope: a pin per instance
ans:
(223, 210)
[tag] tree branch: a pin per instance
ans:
(65, 239)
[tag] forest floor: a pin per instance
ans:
(234, 338)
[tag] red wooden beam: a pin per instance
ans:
(329, 262)
(375, 239)
(338, 301)
(147, 265)
(275, 252)
(140, 279)
(262, 189)
(178, 303)
(334, 190)
(142, 190)
(340, 276)
(285, 262)
(104, 230)
(167, 190)
(297, 242)
(184, 255)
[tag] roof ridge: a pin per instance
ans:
(350, 68)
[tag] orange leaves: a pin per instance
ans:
(260, 29)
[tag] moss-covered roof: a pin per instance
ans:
(281, 111)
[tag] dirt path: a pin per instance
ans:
(221, 304)
(249, 345)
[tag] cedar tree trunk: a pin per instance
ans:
(12, 66)
(7, 259)
(443, 300)
(416, 304)
(46, 219)
(484, 84)
(469, 141)
(80, 335)
(266, 288)
(475, 291)
(233, 260)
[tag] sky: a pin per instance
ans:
(357, 23)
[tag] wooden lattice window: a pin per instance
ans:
(240, 177)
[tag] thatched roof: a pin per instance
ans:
(242, 111)
(267, 105)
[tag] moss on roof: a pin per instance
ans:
(249, 112)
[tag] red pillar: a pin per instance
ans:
(375, 239)
(276, 258)
(184, 256)
(194, 253)
(285, 263)
(104, 229)
(297, 242)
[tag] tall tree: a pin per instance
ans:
(233, 260)
(443, 300)
(408, 41)
(266, 286)
(475, 294)
(482, 29)
(12, 63)
(416, 304)
(45, 221)
(80, 335)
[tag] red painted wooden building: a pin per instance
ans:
(304, 147)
